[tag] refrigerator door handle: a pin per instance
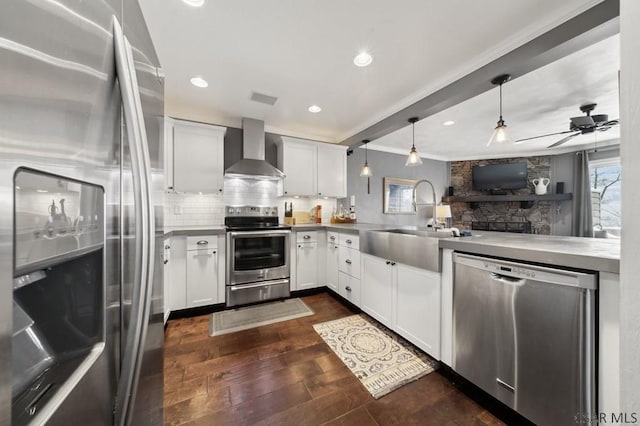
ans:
(144, 226)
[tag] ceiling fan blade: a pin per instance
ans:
(542, 136)
(610, 123)
(564, 140)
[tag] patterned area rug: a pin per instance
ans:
(378, 357)
(255, 316)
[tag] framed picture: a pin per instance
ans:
(397, 196)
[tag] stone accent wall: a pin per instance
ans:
(539, 215)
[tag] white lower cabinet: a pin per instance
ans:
(194, 275)
(405, 299)
(202, 277)
(307, 258)
(349, 288)
(177, 290)
(376, 288)
(417, 307)
(166, 277)
(307, 265)
(332, 266)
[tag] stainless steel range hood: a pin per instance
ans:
(253, 163)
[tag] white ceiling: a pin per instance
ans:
(301, 51)
(537, 103)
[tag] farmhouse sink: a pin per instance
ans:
(410, 246)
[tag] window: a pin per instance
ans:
(605, 178)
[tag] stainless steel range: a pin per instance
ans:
(258, 257)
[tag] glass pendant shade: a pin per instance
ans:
(366, 170)
(500, 134)
(413, 159)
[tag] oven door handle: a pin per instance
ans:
(263, 284)
(248, 234)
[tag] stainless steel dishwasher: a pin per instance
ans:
(525, 334)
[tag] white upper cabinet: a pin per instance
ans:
(195, 152)
(299, 164)
(332, 171)
(313, 169)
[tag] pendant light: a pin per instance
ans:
(413, 159)
(366, 170)
(500, 135)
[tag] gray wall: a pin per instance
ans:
(383, 164)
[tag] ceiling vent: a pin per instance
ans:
(263, 99)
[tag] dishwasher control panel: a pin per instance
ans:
(512, 270)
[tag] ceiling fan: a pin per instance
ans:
(580, 126)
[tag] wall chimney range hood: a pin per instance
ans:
(253, 164)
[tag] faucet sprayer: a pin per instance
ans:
(433, 195)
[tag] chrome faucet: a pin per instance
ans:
(433, 195)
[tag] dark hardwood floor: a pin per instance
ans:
(285, 374)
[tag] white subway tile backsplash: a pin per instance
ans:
(208, 209)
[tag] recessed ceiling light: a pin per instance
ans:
(199, 82)
(315, 108)
(194, 3)
(362, 59)
(449, 123)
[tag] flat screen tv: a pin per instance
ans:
(499, 176)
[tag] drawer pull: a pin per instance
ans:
(393, 263)
(348, 262)
(202, 242)
(307, 237)
(347, 288)
(165, 261)
(388, 262)
(167, 247)
(348, 241)
(333, 237)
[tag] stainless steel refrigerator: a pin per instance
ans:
(81, 226)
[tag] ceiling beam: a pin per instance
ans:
(583, 30)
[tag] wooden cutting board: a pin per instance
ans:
(301, 216)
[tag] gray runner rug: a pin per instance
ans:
(255, 316)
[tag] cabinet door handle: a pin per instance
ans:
(393, 263)
(202, 242)
(214, 252)
(347, 288)
(333, 237)
(348, 241)
(307, 237)
(388, 262)
(167, 247)
(348, 262)
(165, 261)
(299, 246)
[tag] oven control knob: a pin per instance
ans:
(230, 210)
